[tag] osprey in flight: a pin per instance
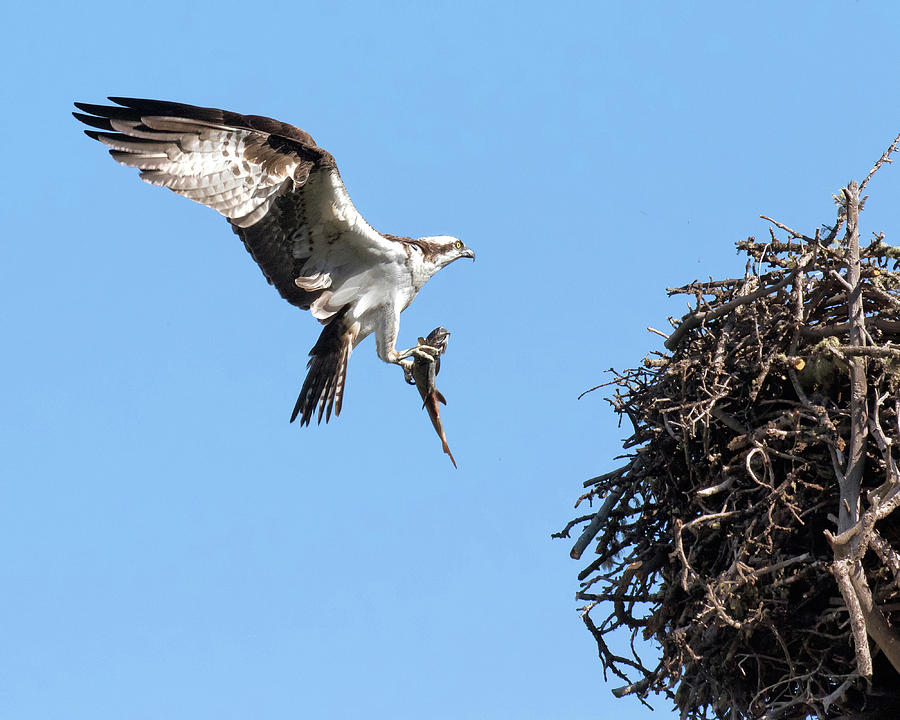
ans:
(284, 197)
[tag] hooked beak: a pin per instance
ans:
(469, 253)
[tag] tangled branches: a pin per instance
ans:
(752, 533)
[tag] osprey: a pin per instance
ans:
(284, 197)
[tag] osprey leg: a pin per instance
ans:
(424, 352)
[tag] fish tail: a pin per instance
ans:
(447, 450)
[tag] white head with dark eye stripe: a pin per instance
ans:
(441, 250)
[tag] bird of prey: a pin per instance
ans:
(284, 197)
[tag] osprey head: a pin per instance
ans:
(442, 250)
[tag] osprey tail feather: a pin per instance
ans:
(327, 374)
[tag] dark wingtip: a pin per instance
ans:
(104, 113)
(101, 110)
(296, 411)
(94, 121)
(133, 103)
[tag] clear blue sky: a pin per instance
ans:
(170, 547)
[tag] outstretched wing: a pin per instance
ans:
(283, 196)
(281, 193)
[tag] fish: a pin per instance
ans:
(423, 376)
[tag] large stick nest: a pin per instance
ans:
(750, 533)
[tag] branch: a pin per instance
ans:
(692, 320)
(885, 158)
(843, 569)
(876, 625)
(859, 418)
(599, 518)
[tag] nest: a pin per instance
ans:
(751, 533)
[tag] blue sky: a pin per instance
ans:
(170, 547)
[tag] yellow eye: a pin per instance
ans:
(458, 245)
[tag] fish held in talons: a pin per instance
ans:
(423, 374)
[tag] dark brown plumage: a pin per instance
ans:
(327, 372)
